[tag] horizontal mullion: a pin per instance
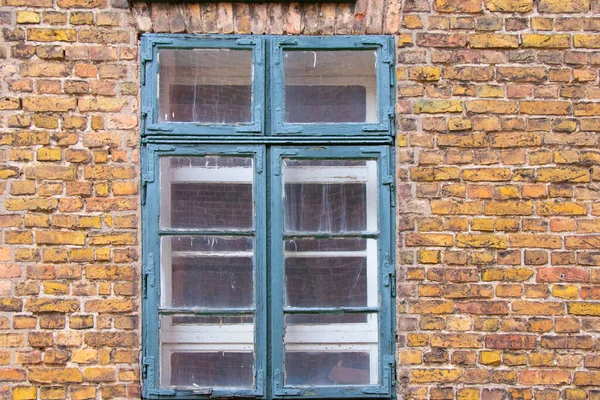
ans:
(287, 139)
(349, 235)
(194, 232)
(330, 310)
(200, 312)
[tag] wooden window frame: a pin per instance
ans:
(267, 141)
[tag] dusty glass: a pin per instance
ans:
(210, 192)
(210, 86)
(328, 86)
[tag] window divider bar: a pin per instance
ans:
(199, 312)
(171, 232)
(329, 310)
(277, 140)
(373, 235)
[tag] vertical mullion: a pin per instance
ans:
(276, 269)
(151, 261)
(260, 269)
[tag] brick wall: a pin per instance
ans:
(498, 123)
(69, 269)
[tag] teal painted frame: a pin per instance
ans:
(261, 139)
(152, 234)
(383, 45)
(386, 271)
(152, 43)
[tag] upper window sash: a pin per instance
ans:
(333, 63)
(156, 109)
(347, 79)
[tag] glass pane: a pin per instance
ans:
(209, 192)
(205, 85)
(335, 353)
(215, 369)
(315, 368)
(330, 86)
(330, 196)
(207, 272)
(330, 272)
(207, 351)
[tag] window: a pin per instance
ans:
(267, 173)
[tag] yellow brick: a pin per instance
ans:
(434, 174)
(417, 339)
(572, 174)
(491, 91)
(410, 357)
(486, 174)
(25, 393)
(563, 6)
(483, 224)
(467, 394)
(481, 241)
(97, 374)
(83, 392)
(28, 17)
(45, 121)
(565, 291)
(457, 6)
(437, 106)
(51, 104)
(55, 375)
(49, 154)
(493, 41)
(56, 288)
(22, 187)
(542, 41)
(31, 204)
(509, 6)
(583, 308)
(491, 106)
(459, 124)
(52, 237)
(51, 35)
(424, 73)
(490, 357)
(587, 41)
(428, 256)
(435, 375)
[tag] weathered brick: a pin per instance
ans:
(567, 6)
(542, 41)
(49, 104)
(52, 305)
(457, 6)
(435, 375)
(81, 3)
(437, 106)
(493, 41)
(55, 375)
(521, 74)
(509, 6)
(51, 35)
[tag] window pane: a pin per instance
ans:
(335, 353)
(207, 272)
(330, 86)
(330, 272)
(207, 351)
(205, 85)
(215, 369)
(208, 192)
(322, 368)
(339, 197)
